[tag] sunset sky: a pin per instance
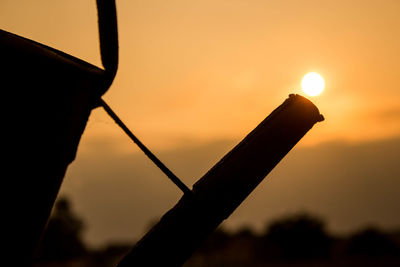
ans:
(196, 76)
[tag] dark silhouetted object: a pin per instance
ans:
(221, 190)
(296, 238)
(62, 239)
(215, 242)
(47, 97)
(372, 243)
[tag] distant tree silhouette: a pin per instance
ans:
(224, 248)
(216, 241)
(372, 242)
(62, 237)
(297, 237)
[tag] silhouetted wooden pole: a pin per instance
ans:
(223, 188)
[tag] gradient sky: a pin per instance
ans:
(197, 76)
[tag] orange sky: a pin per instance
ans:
(197, 72)
(214, 69)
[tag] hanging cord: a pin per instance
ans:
(108, 34)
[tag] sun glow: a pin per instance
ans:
(313, 84)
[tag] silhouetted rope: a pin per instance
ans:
(146, 151)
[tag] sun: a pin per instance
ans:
(313, 84)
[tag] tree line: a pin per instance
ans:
(294, 240)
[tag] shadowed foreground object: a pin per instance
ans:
(47, 98)
(223, 188)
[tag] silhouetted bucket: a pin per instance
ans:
(47, 98)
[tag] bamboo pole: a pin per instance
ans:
(224, 187)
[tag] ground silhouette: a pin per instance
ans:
(299, 239)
